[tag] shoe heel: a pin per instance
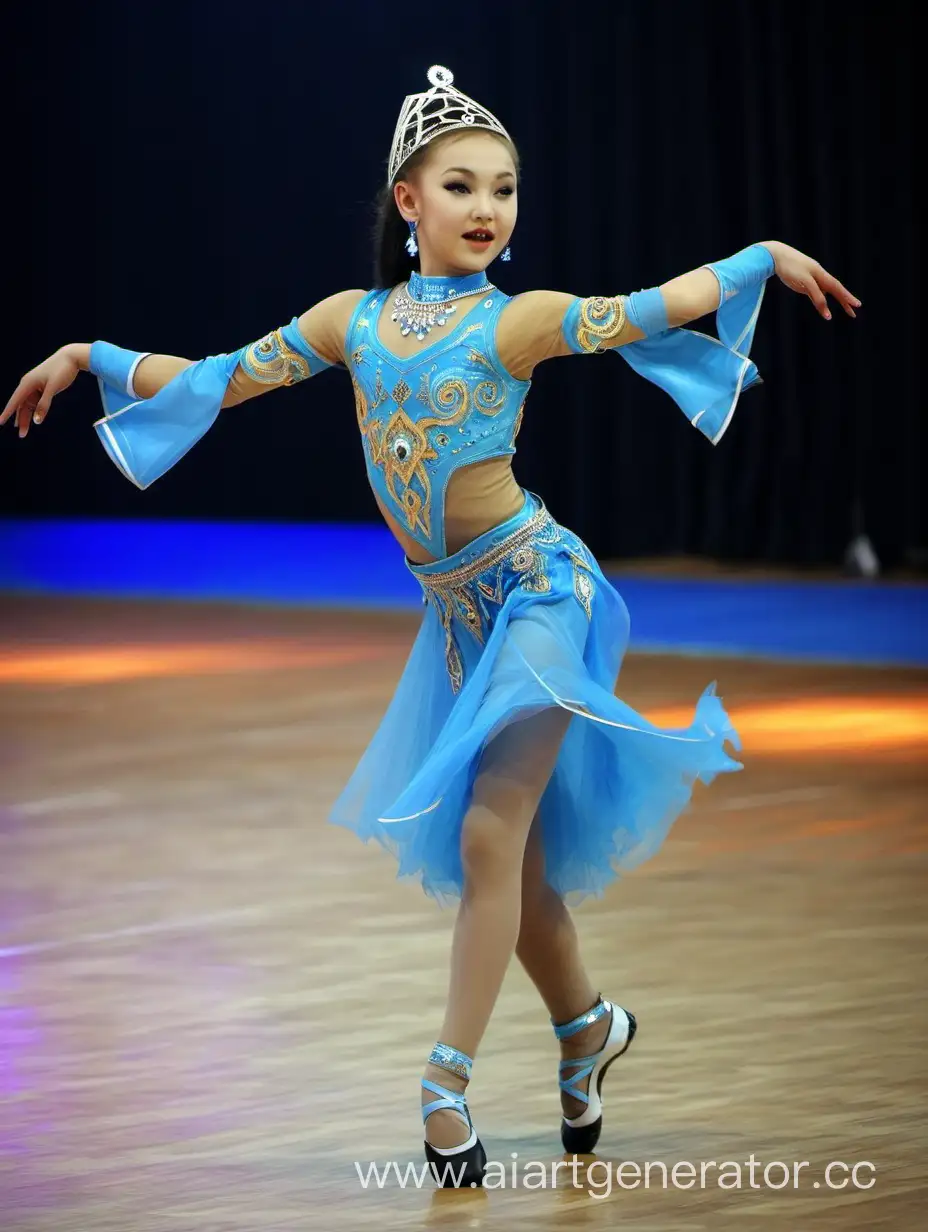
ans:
(457, 1169)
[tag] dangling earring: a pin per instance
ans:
(411, 246)
(506, 254)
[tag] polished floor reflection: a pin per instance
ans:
(214, 1007)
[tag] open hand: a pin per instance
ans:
(33, 395)
(805, 276)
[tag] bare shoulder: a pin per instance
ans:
(529, 330)
(325, 324)
(535, 311)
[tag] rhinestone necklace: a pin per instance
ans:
(427, 301)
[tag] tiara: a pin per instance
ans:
(439, 110)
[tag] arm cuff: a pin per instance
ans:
(130, 379)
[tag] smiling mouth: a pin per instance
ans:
(480, 236)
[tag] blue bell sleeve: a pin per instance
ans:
(706, 376)
(146, 437)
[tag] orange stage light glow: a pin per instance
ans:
(821, 724)
(811, 725)
(78, 665)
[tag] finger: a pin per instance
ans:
(29, 405)
(844, 297)
(814, 292)
(24, 387)
(20, 407)
(41, 407)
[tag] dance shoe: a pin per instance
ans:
(457, 1167)
(580, 1134)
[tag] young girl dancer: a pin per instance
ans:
(505, 772)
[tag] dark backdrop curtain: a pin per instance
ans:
(182, 178)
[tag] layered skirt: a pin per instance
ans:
(520, 621)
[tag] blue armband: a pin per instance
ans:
(114, 366)
(647, 311)
(746, 271)
(146, 437)
(282, 357)
(591, 323)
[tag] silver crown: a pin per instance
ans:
(423, 117)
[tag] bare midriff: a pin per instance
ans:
(479, 497)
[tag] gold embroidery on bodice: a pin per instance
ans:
(400, 443)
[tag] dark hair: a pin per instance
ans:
(392, 262)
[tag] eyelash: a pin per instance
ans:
(506, 191)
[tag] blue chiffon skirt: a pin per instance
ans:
(519, 621)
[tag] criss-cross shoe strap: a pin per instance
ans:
(449, 1099)
(586, 1065)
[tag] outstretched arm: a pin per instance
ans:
(541, 325)
(292, 353)
(158, 406)
(705, 376)
(286, 356)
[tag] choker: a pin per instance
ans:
(427, 301)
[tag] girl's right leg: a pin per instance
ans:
(549, 950)
(513, 774)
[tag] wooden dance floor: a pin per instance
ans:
(215, 1007)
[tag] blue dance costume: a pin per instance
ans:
(520, 620)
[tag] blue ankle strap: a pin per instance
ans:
(456, 1062)
(566, 1029)
(451, 1059)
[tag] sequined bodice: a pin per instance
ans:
(424, 416)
